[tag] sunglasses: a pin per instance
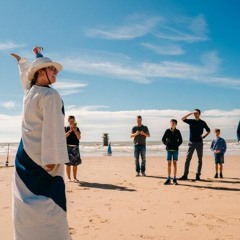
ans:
(52, 68)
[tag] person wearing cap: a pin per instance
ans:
(39, 199)
(196, 127)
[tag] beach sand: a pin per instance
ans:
(111, 203)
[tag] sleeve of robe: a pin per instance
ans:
(53, 146)
(24, 66)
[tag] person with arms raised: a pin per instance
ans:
(39, 199)
(196, 127)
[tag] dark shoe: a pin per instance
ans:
(175, 181)
(198, 177)
(221, 176)
(168, 182)
(144, 174)
(138, 174)
(216, 175)
(184, 177)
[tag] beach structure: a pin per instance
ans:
(105, 139)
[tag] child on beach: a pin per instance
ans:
(172, 138)
(39, 197)
(219, 147)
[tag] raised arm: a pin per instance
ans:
(77, 133)
(186, 116)
(17, 57)
(23, 66)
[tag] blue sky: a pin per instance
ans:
(160, 59)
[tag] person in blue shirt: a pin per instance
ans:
(197, 135)
(218, 147)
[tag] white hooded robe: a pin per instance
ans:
(39, 201)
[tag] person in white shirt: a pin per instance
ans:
(39, 199)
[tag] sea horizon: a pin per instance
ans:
(125, 148)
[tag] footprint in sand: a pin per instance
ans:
(72, 231)
(190, 224)
(210, 226)
(146, 237)
(193, 214)
(97, 219)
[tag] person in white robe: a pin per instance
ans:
(39, 199)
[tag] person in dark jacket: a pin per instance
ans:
(238, 132)
(172, 138)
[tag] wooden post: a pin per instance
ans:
(105, 139)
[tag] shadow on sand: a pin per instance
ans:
(210, 187)
(105, 186)
(184, 183)
(158, 177)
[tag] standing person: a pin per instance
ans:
(39, 200)
(219, 147)
(196, 127)
(140, 133)
(73, 136)
(172, 138)
(109, 150)
(238, 132)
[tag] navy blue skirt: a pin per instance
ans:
(74, 156)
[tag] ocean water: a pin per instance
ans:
(155, 148)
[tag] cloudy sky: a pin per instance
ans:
(157, 58)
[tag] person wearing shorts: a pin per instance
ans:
(219, 147)
(172, 138)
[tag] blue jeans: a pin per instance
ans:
(140, 150)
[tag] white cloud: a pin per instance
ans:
(8, 105)
(10, 128)
(184, 29)
(211, 60)
(174, 50)
(10, 45)
(93, 122)
(69, 87)
(104, 67)
(177, 28)
(122, 67)
(73, 108)
(225, 81)
(135, 26)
